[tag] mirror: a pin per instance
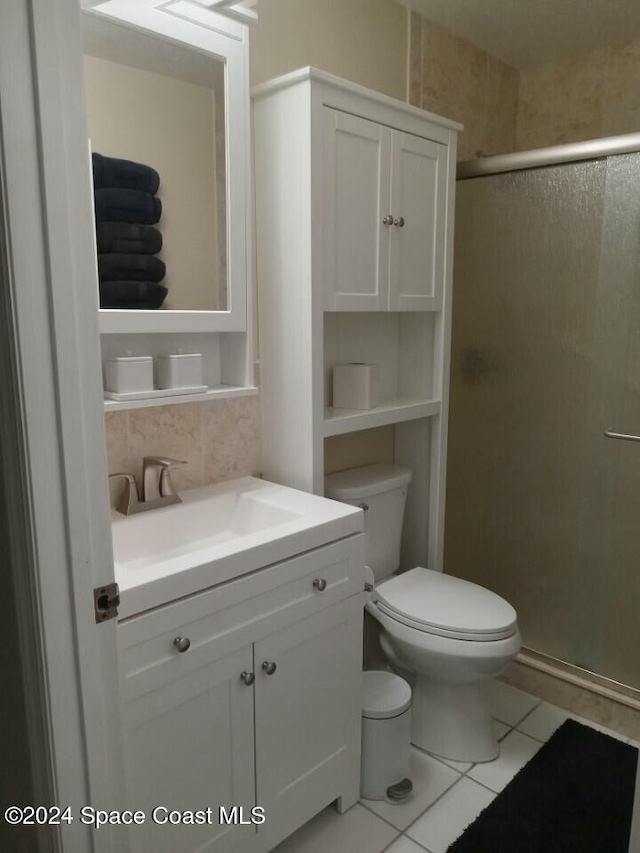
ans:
(160, 105)
(167, 102)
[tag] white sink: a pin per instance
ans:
(216, 534)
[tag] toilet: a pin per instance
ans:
(446, 636)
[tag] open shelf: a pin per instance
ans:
(340, 421)
(218, 392)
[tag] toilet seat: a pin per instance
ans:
(440, 604)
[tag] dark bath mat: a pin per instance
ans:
(574, 796)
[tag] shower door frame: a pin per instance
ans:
(574, 152)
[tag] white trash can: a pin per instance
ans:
(386, 733)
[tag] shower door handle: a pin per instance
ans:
(621, 436)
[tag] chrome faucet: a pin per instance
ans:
(157, 488)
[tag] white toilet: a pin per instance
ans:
(445, 635)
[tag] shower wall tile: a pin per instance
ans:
(503, 84)
(622, 90)
(589, 96)
(453, 78)
(218, 440)
(415, 60)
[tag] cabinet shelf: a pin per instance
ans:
(217, 392)
(340, 421)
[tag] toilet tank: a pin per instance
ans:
(381, 490)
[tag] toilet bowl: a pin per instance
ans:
(447, 636)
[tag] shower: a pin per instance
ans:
(542, 506)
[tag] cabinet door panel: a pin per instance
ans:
(308, 716)
(356, 158)
(418, 196)
(190, 745)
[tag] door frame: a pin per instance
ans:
(55, 479)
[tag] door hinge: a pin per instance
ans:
(106, 600)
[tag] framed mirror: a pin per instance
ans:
(167, 100)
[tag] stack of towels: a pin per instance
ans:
(126, 211)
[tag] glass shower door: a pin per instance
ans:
(541, 507)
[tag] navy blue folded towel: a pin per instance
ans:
(121, 205)
(126, 237)
(130, 268)
(132, 294)
(112, 172)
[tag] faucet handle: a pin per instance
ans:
(163, 462)
(157, 476)
(128, 500)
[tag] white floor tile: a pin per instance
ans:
(543, 721)
(507, 703)
(546, 718)
(515, 750)
(449, 817)
(430, 779)
(404, 845)
(356, 831)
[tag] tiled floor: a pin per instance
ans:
(448, 796)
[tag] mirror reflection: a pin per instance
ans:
(156, 118)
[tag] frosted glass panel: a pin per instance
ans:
(540, 507)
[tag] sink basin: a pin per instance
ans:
(216, 534)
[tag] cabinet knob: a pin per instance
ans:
(182, 644)
(387, 220)
(269, 667)
(247, 678)
(320, 584)
(399, 222)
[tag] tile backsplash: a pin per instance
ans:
(218, 440)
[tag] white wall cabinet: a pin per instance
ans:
(354, 226)
(383, 216)
(263, 708)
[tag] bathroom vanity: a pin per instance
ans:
(240, 642)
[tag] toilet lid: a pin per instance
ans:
(441, 604)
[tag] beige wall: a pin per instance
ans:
(358, 448)
(364, 41)
(596, 94)
(167, 124)
(452, 77)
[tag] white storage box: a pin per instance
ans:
(181, 370)
(386, 734)
(128, 374)
(356, 386)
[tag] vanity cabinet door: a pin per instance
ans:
(418, 201)
(356, 158)
(189, 745)
(308, 706)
